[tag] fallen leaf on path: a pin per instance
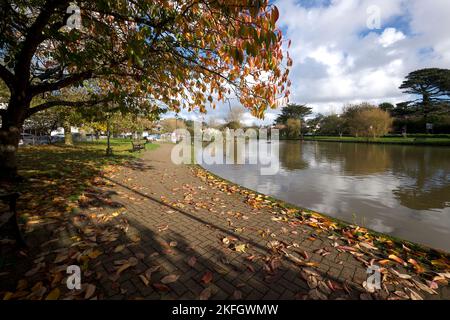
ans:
(192, 261)
(144, 280)
(90, 290)
(161, 287)
(205, 294)
(170, 278)
(207, 277)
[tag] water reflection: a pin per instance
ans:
(400, 190)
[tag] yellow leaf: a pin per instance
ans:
(94, 254)
(119, 248)
(53, 295)
(7, 295)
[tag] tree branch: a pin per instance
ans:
(75, 104)
(7, 76)
(46, 87)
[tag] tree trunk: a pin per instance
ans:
(68, 140)
(11, 125)
(9, 142)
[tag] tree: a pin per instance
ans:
(431, 84)
(386, 106)
(139, 55)
(368, 121)
(293, 111)
(234, 118)
(44, 122)
(332, 125)
(171, 124)
(294, 127)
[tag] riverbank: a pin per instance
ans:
(149, 229)
(421, 140)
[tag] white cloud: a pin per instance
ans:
(390, 36)
(337, 60)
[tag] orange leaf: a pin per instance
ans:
(396, 259)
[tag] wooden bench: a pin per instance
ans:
(137, 146)
(9, 216)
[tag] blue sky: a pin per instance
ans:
(339, 60)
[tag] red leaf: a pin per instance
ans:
(207, 277)
(161, 287)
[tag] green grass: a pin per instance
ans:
(414, 140)
(64, 172)
(121, 147)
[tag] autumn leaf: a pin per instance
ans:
(240, 248)
(205, 294)
(192, 261)
(94, 254)
(170, 278)
(144, 280)
(53, 295)
(161, 287)
(417, 267)
(119, 248)
(122, 268)
(207, 277)
(397, 259)
(90, 290)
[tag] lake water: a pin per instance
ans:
(399, 190)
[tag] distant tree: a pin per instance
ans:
(431, 84)
(44, 122)
(294, 127)
(370, 122)
(293, 111)
(332, 125)
(235, 115)
(171, 124)
(386, 106)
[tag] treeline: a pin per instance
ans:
(429, 113)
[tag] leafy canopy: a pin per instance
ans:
(147, 53)
(293, 111)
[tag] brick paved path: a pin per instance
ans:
(169, 232)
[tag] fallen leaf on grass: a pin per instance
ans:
(119, 248)
(53, 295)
(94, 254)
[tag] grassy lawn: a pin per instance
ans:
(57, 174)
(412, 140)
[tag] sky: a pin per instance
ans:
(350, 51)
